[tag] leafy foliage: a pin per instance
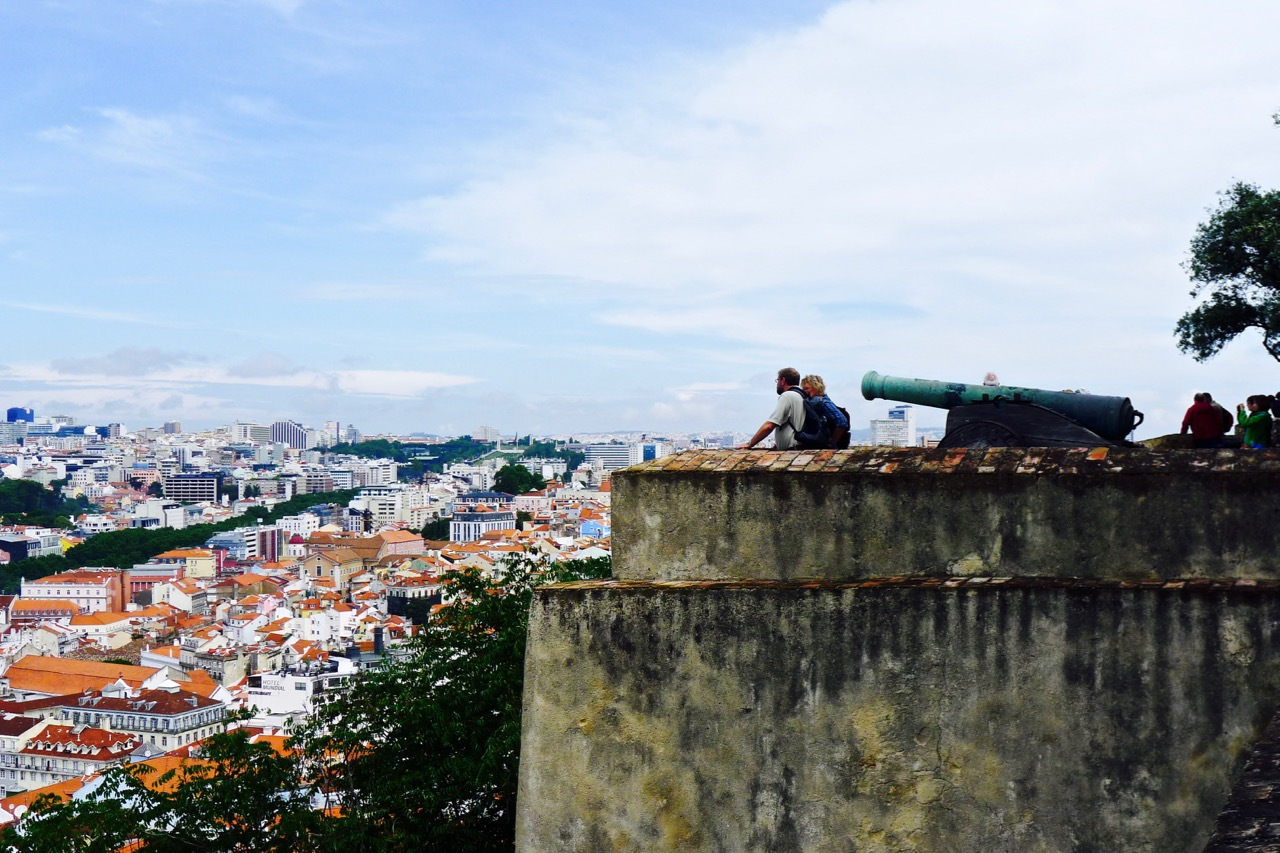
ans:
(436, 530)
(462, 449)
(29, 502)
(517, 479)
(238, 796)
(424, 753)
(1235, 262)
(421, 754)
(548, 450)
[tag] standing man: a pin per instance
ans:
(788, 416)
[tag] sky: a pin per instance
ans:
(423, 216)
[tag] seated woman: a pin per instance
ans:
(834, 431)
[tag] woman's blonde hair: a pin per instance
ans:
(814, 381)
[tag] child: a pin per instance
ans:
(1257, 424)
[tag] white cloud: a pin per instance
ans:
(151, 371)
(887, 143)
(171, 144)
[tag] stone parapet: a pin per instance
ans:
(890, 716)
(881, 512)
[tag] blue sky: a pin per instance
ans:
(558, 217)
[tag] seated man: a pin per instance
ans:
(788, 416)
(1205, 422)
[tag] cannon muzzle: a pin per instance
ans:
(1113, 418)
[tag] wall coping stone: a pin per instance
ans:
(901, 461)
(1130, 513)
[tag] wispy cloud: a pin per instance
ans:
(152, 369)
(87, 313)
(171, 144)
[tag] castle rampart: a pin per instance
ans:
(1021, 650)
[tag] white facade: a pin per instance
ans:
(91, 596)
(897, 430)
(303, 524)
(259, 433)
(607, 457)
(376, 472)
(479, 476)
(168, 513)
(293, 694)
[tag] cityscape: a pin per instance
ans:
(259, 619)
(381, 400)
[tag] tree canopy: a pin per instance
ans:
(29, 502)
(1235, 264)
(548, 450)
(517, 479)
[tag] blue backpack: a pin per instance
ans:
(826, 425)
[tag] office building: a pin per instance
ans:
(256, 433)
(20, 414)
(646, 450)
(896, 430)
(192, 488)
(607, 457)
(290, 433)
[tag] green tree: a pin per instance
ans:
(517, 479)
(548, 450)
(1235, 264)
(437, 530)
(424, 752)
(156, 489)
(239, 796)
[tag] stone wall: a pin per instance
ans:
(877, 512)
(883, 696)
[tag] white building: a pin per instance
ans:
(643, 451)
(292, 694)
(897, 430)
(158, 512)
(607, 457)
(259, 433)
(303, 524)
(479, 476)
(470, 523)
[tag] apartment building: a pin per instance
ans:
(60, 752)
(167, 717)
(91, 591)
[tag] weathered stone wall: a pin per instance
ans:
(1018, 710)
(837, 718)
(875, 513)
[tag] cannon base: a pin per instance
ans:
(1015, 424)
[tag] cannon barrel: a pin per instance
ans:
(1110, 417)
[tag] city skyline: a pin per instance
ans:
(564, 218)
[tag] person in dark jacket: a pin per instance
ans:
(834, 420)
